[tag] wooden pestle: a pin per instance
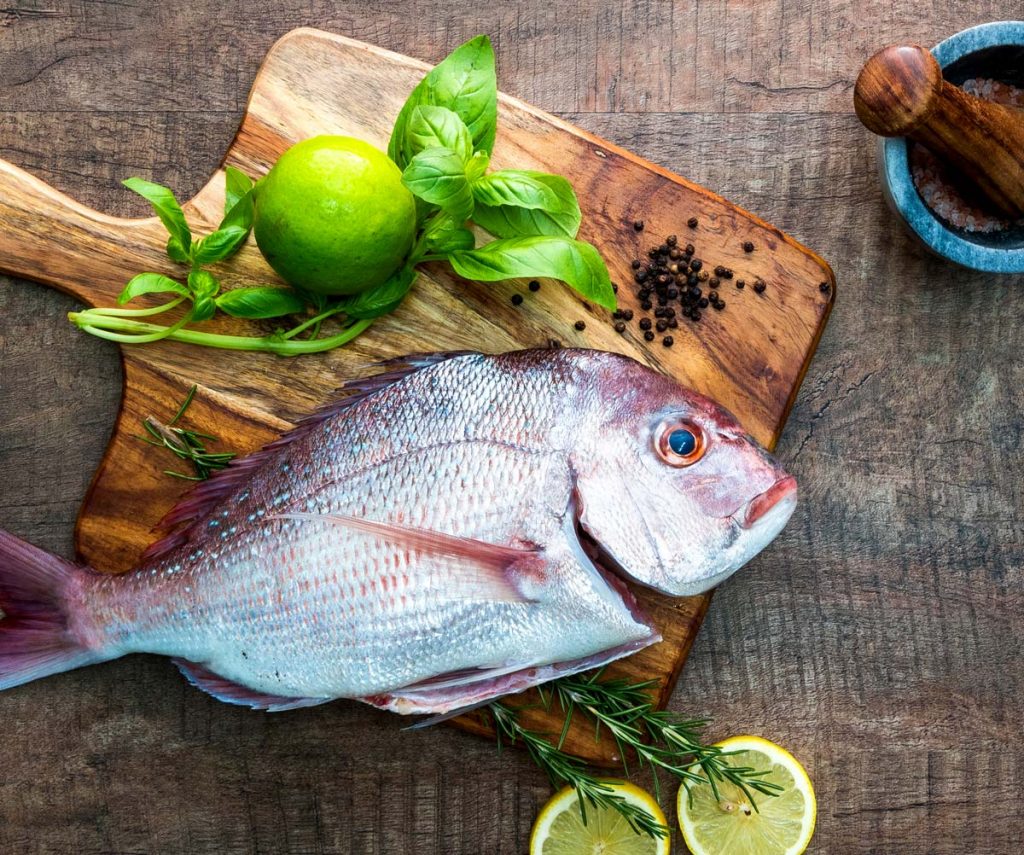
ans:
(900, 92)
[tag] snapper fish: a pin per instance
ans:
(454, 529)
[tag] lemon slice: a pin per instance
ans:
(781, 825)
(559, 829)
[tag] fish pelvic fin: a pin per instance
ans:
(489, 570)
(231, 692)
(36, 638)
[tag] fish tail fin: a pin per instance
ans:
(35, 639)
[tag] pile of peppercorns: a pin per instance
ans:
(673, 274)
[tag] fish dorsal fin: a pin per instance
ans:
(487, 569)
(235, 693)
(204, 497)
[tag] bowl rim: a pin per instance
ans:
(899, 185)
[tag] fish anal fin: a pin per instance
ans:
(179, 522)
(234, 693)
(490, 569)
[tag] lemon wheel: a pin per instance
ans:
(559, 829)
(781, 825)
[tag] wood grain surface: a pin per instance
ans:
(879, 638)
(751, 359)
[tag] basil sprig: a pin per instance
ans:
(442, 141)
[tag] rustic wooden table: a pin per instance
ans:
(880, 638)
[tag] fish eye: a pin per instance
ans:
(679, 443)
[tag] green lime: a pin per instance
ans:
(333, 217)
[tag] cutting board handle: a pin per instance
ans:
(50, 238)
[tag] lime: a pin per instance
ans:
(781, 825)
(333, 217)
(559, 829)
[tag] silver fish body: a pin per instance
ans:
(417, 545)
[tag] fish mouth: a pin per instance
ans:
(779, 500)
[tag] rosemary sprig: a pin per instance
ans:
(663, 741)
(186, 444)
(562, 768)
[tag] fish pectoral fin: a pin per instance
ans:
(489, 569)
(234, 693)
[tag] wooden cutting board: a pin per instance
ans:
(750, 357)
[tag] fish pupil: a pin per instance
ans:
(682, 442)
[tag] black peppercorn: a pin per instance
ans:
(720, 305)
(695, 315)
(639, 225)
(714, 282)
(692, 222)
(648, 336)
(659, 313)
(535, 285)
(759, 286)
(673, 324)
(719, 270)
(748, 246)
(580, 325)
(696, 265)
(703, 302)
(672, 293)
(703, 276)
(712, 296)
(645, 323)
(620, 327)
(627, 314)
(517, 299)
(690, 250)
(667, 341)
(695, 292)
(661, 326)
(671, 240)
(646, 305)
(740, 284)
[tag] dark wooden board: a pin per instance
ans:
(881, 637)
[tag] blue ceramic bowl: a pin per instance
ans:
(993, 50)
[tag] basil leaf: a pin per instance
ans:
(512, 203)
(260, 302)
(438, 176)
(165, 206)
(383, 299)
(238, 200)
(465, 83)
(442, 235)
(477, 166)
(176, 252)
(236, 185)
(219, 245)
(150, 283)
(438, 127)
(202, 283)
(203, 308)
(574, 262)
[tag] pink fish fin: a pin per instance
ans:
(455, 713)
(235, 693)
(490, 567)
(446, 698)
(35, 637)
(196, 505)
